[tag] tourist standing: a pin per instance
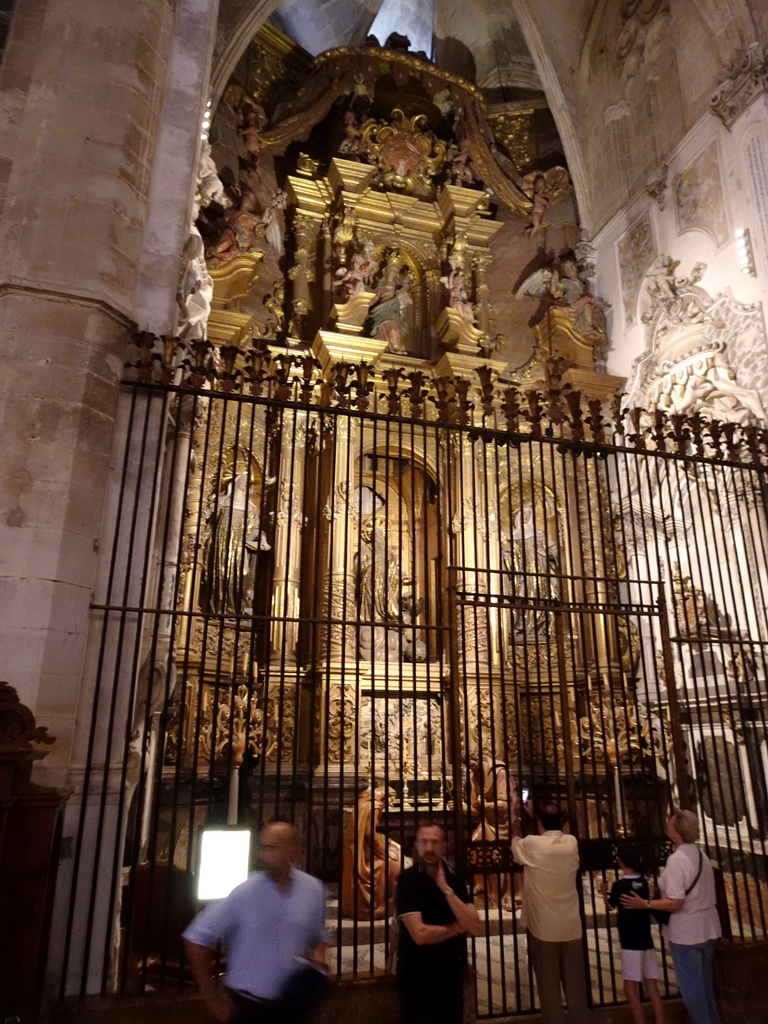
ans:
(269, 926)
(638, 957)
(687, 887)
(551, 915)
(435, 914)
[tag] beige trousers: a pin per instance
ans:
(557, 964)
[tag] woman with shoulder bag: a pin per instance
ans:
(687, 887)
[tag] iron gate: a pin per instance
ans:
(364, 600)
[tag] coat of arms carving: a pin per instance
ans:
(407, 155)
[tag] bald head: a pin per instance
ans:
(278, 848)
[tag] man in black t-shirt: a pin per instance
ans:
(436, 914)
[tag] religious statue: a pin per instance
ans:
(570, 292)
(493, 797)
(370, 861)
(350, 144)
(574, 324)
(352, 280)
(234, 537)
(385, 600)
(243, 229)
(544, 189)
(457, 294)
(387, 316)
(530, 563)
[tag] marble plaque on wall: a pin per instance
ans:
(699, 196)
(635, 249)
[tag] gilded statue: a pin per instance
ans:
(387, 315)
(530, 563)
(385, 601)
(234, 538)
(370, 861)
(493, 797)
(457, 294)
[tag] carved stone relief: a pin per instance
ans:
(699, 199)
(635, 254)
(706, 355)
(402, 737)
(746, 79)
(656, 186)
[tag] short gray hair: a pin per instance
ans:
(687, 824)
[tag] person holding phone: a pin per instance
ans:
(551, 915)
(435, 913)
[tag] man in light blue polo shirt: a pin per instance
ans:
(268, 926)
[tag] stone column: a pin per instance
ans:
(107, 102)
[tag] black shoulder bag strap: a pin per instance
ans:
(698, 873)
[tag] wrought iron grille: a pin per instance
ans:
(360, 601)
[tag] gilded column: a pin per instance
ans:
(289, 521)
(302, 272)
(482, 305)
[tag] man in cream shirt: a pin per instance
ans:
(551, 916)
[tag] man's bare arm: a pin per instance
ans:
(201, 960)
(466, 914)
(429, 934)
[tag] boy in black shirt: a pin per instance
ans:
(638, 957)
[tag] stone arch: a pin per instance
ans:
(238, 24)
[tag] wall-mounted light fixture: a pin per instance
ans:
(225, 855)
(206, 120)
(744, 252)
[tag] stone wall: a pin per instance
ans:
(85, 87)
(690, 207)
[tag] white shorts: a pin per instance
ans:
(637, 964)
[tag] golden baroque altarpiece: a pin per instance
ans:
(392, 572)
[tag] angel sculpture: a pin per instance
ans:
(544, 189)
(252, 121)
(461, 164)
(574, 325)
(356, 278)
(457, 295)
(564, 286)
(242, 230)
(350, 144)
